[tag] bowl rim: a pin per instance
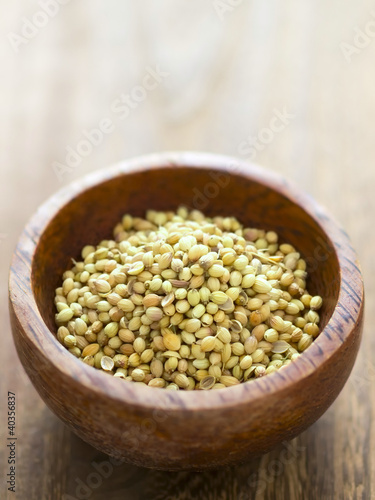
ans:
(346, 315)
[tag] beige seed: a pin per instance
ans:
(238, 349)
(240, 263)
(312, 329)
(257, 355)
(271, 335)
(111, 329)
(207, 383)
(182, 306)
(228, 306)
(171, 365)
(219, 298)
(212, 308)
(102, 286)
(136, 268)
(201, 364)
(157, 382)
(126, 305)
(139, 345)
(68, 285)
(60, 306)
(192, 325)
(76, 351)
(180, 293)
(182, 381)
(224, 335)
(259, 371)
(70, 341)
(278, 324)
(147, 355)
(246, 362)
(126, 335)
(107, 363)
(206, 261)
(280, 346)
(165, 260)
(172, 341)
(311, 316)
(138, 375)
(62, 332)
(151, 300)
(208, 344)
(216, 271)
(156, 368)
(316, 303)
(90, 350)
(261, 285)
(305, 342)
(198, 311)
(64, 315)
(232, 362)
(228, 381)
(120, 361)
(226, 352)
(193, 297)
(114, 343)
(167, 300)
(173, 387)
(154, 313)
(251, 344)
(134, 360)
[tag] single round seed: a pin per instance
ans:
(257, 355)
(280, 346)
(228, 381)
(156, 368)
(238, 349)
(64, 315)
(251, 344)
(111, 329)
(172, 341)
(139, 345)
(182, 381)
(271, 335)
(102, 286)
(138, 375)
(70, 341)
(198, 311)
(157, 382)
(136, 269)
(107, 363)
(218, 298)
(154, 313)
(278, 323)
(90, 350)
(208, 344)
(305, 342)
(246, 362)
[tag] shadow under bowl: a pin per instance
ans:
(176, 430)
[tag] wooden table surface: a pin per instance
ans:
(295, 80)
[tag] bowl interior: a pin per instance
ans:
(92, 215)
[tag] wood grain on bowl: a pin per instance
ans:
(184, 430)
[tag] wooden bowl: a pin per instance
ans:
(176, 430)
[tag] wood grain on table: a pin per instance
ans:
(220, 75)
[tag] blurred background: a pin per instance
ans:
(288, 85)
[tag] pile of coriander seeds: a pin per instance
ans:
(179, 300)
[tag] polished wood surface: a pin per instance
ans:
(226, 78)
